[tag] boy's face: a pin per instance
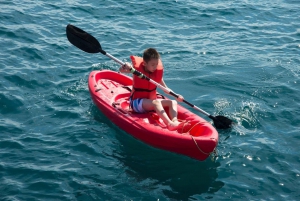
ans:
(151, 65)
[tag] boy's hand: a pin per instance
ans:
(126, 68)
(180, 98)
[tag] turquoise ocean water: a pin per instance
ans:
(240, 59)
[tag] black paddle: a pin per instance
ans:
(88, 43)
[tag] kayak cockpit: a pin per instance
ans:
(191, 126)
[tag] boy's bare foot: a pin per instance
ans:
(174, 125)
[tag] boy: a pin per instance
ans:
(143, 95)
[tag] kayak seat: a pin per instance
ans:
(122, 106)
(125, 105)
(121, 102)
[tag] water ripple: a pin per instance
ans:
(237, 59)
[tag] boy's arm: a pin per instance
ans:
(180, 97)
(162, 82)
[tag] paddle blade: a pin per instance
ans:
(222, 122)
(82, 40)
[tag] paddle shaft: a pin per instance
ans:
(142, 76)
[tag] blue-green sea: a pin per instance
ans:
(239, 59)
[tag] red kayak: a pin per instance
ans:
(110, 92)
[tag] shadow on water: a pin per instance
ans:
(160, 172)
(177, 177)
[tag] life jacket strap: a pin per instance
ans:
(141, 89)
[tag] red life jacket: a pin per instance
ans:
(141, 87)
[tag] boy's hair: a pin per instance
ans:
(149, 54)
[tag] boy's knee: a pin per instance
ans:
(174, 102)
(156, 102)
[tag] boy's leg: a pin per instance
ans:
(158, 105)
(172, 105)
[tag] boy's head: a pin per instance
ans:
(151, 58)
